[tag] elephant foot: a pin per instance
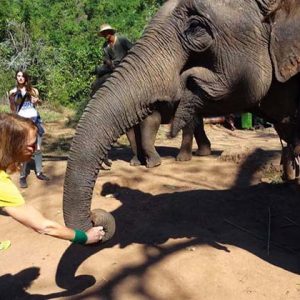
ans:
(184, 156)
(135, 162)
(103, 218)
(153, 162)
(288, 164)
(203, 150)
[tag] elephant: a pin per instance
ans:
(215, 57)
(142, 136)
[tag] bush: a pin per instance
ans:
(57, 42)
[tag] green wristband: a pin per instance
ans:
(80, 237)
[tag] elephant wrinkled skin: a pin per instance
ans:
(142, 136)
(215, 57)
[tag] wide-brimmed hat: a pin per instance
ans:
(104, 28)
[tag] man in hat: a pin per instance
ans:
(114, 49)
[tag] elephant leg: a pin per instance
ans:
(289, 161)
(288, 164)
(204, 146)
(297, 146)
(185, 152)
(134, 138)
(149, 128)
(297, 133)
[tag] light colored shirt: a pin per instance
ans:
(27, 109)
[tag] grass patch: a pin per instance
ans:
(4, 108)
(50, 116)
(48, 113)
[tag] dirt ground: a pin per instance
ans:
(217, 227)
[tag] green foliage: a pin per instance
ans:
(48, 114)
(57, 42)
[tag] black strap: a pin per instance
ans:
(21, 104)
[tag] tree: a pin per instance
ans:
(57, 41)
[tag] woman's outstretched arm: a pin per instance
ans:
(32, 218)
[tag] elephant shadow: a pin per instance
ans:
(263, 219)
(238, 217)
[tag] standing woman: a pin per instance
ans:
(17, 144)
(23, 101)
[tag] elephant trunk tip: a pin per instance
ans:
(176, 126)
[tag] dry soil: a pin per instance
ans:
(217, 227)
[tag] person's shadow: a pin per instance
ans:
(13, 286)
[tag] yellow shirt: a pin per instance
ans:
(9, 194)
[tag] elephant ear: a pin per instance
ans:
(285, 39)
(197, 34)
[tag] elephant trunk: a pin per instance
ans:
(121, 103)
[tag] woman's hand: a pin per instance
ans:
(35, 100)
(95, 234)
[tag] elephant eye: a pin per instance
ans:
(198, 35)
(194, 25)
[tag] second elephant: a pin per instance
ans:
(142, 137)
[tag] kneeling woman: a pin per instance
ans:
(17, 144)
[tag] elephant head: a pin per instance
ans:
(215, 57)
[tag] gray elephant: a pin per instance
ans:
(214, 56)
(142, 136)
